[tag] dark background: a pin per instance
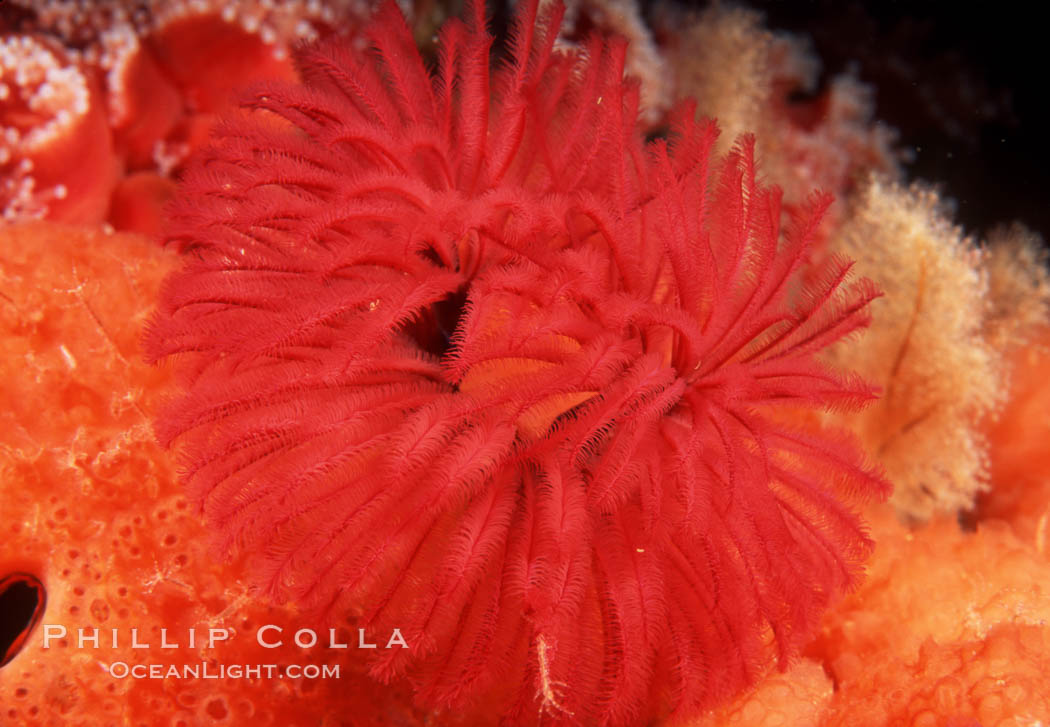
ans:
(964, 85)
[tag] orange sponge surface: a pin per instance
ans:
(1020, 451)
(950, 628)
(91, 507)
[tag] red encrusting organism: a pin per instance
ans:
(464, 356)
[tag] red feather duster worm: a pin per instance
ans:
(464, 356)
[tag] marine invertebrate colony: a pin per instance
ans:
(55, 153)
(464, 356)
(939, 373)
(101, 101)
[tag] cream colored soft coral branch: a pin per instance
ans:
(937, 340)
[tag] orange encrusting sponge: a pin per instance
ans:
(91, 507)
(949, 628)
(795, 698)
(1020, 449)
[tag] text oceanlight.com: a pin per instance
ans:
(205, 670)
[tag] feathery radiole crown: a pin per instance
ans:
(465, 356)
